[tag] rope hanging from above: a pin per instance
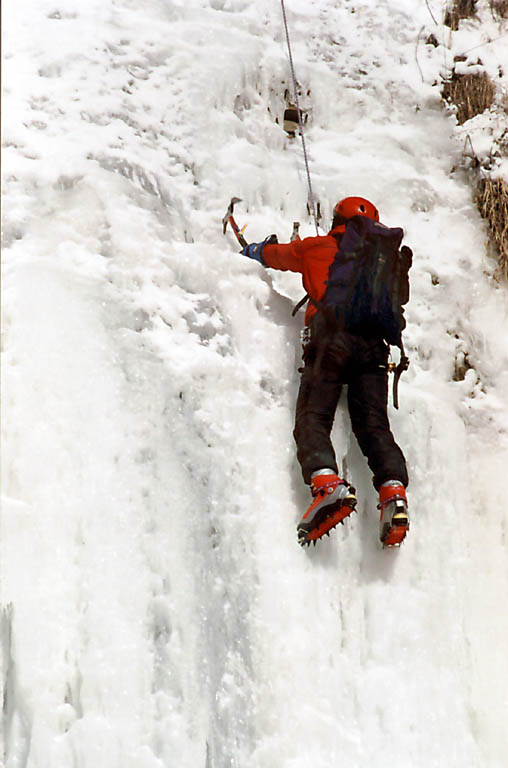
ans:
(300, 121)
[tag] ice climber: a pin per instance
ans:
(333, 357)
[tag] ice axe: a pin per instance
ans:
(229, 219)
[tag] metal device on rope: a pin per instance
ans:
(300, 121)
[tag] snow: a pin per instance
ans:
(157, 610)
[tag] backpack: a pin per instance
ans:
(368, 281)
(368, 284)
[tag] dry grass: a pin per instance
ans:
(471, 94)
(492, 200)
(461, 9)
(499, 8)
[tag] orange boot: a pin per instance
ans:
(394, 520)
(333, 501)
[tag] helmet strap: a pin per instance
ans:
(338, 219)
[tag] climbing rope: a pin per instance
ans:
(300, 122)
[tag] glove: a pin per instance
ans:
(255, 250)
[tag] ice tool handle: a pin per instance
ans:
(398, 370)
(229, 219)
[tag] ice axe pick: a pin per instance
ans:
(229, 219)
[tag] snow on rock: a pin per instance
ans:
(478, 47)
(157, 608)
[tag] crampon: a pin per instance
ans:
(394, 521)
(326, 519)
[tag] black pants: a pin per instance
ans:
(332, 360)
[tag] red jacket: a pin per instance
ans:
(311, 257)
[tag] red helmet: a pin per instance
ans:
(356, 206)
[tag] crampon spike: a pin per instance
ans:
(305, 536)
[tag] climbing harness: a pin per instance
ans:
(300, 121)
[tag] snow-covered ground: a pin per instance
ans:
(157, 608)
